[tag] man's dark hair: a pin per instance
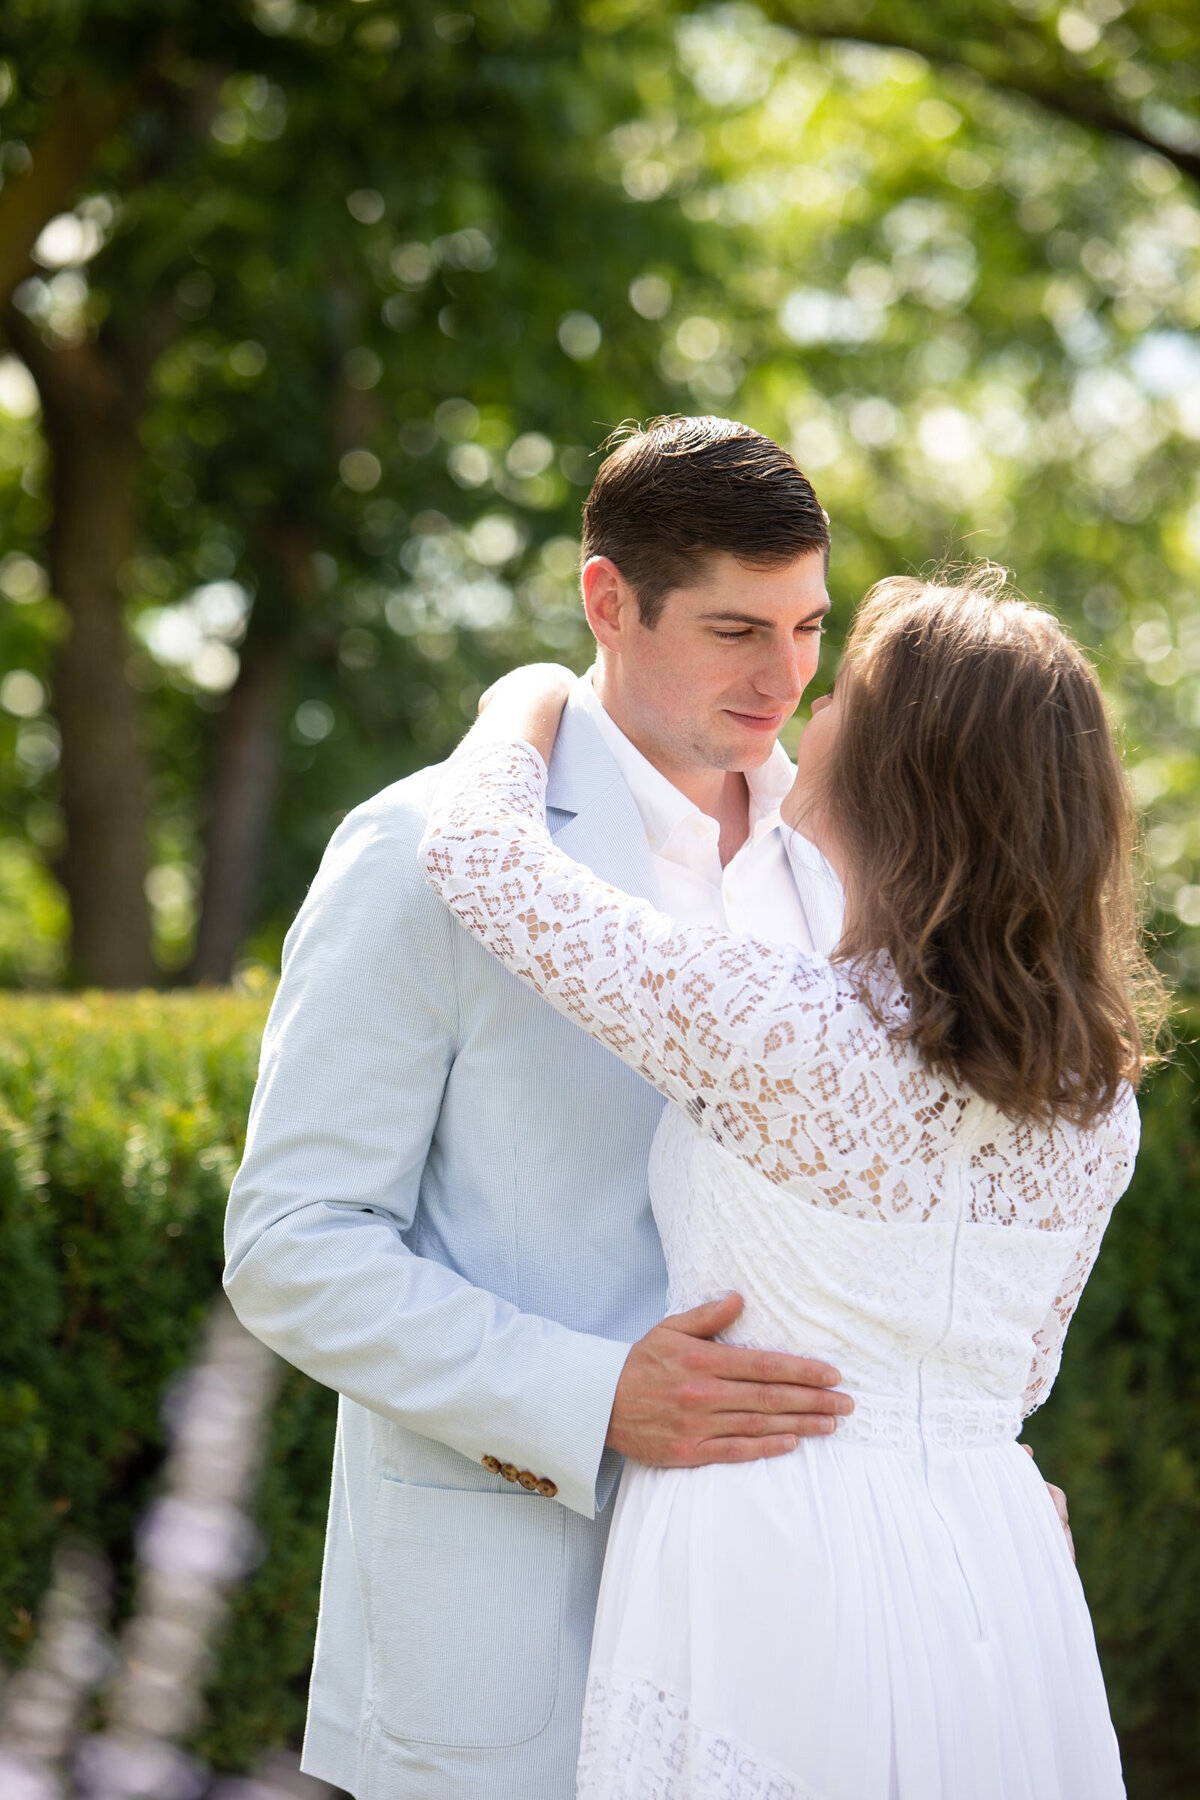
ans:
(670, 495)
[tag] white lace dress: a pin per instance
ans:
(890, 1613)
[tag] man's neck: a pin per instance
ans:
(721, 793)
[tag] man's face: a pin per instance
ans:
(712, 684)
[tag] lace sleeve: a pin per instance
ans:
(1049, 1338)
(717, 1023)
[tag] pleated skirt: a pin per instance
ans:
(850, 1622)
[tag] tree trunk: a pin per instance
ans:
(247, 760)
(81, 119)
(245, 776)
(90, 413)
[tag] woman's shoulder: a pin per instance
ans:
(1116, 1131)
(1123, 1122)
(1102, 1154)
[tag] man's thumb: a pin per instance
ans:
(705, 1321)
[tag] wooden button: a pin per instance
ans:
(547, 1488)
(527, 1480)
(492, 1464)
(509, 1471)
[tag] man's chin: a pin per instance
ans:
(736, 755)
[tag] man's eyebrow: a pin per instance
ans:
(735, 618)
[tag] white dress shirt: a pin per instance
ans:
(777, 887)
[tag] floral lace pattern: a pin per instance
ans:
(932, 1329)
(768, 1050)
(640, 1739)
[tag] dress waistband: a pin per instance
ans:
(941, 1422)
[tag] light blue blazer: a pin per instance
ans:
(443, 1214)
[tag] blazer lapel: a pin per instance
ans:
(591, 813)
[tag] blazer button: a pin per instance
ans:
(509, 1471)
(492, 1464)
(547, 1488)
(527, 1480)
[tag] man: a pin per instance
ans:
(443, 1208)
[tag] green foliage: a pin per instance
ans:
(121, 1121)
(259, 1692)
(120, 1125)
(399, 270)
(385, 284)
(1121, 1433)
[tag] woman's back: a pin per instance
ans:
(930, 1248)
(891, 1611)
(943, 1306)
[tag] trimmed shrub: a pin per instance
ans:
(121, 1121)
(1121, 1433)
(121, 1124)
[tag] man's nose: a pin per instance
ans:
(781, 674)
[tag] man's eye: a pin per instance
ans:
(731, 637)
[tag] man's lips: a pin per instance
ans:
(758, 721)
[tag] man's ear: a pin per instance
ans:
(609, 602)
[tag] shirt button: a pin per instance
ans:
(547, 1488)
(492, 1464)
(527, 1480)
(509, 1471)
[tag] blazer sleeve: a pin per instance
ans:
(357, 1049)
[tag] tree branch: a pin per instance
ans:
(1080, 103)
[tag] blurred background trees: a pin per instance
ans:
(314, 318)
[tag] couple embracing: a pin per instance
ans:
(685, 1168)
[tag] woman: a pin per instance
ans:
(904, 1159)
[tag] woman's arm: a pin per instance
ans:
(1051, 1334)
(722, 1025)
(524, 706)
(1123, 1128)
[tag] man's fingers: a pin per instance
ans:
(738, 1399)
(748, 1449)
(769, 1368)
(1060, 1507)
(813, 1394)
(766, 1425)
(683, 1400)
(744, 1398)
(765, 1373)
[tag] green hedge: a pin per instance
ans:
(1121, 1432)
(120, 1126)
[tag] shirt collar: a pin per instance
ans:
(664, 810)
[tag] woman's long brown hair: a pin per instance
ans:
(976, 786)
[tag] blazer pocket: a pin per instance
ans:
(465, 1612)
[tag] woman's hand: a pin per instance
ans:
(525, 704)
